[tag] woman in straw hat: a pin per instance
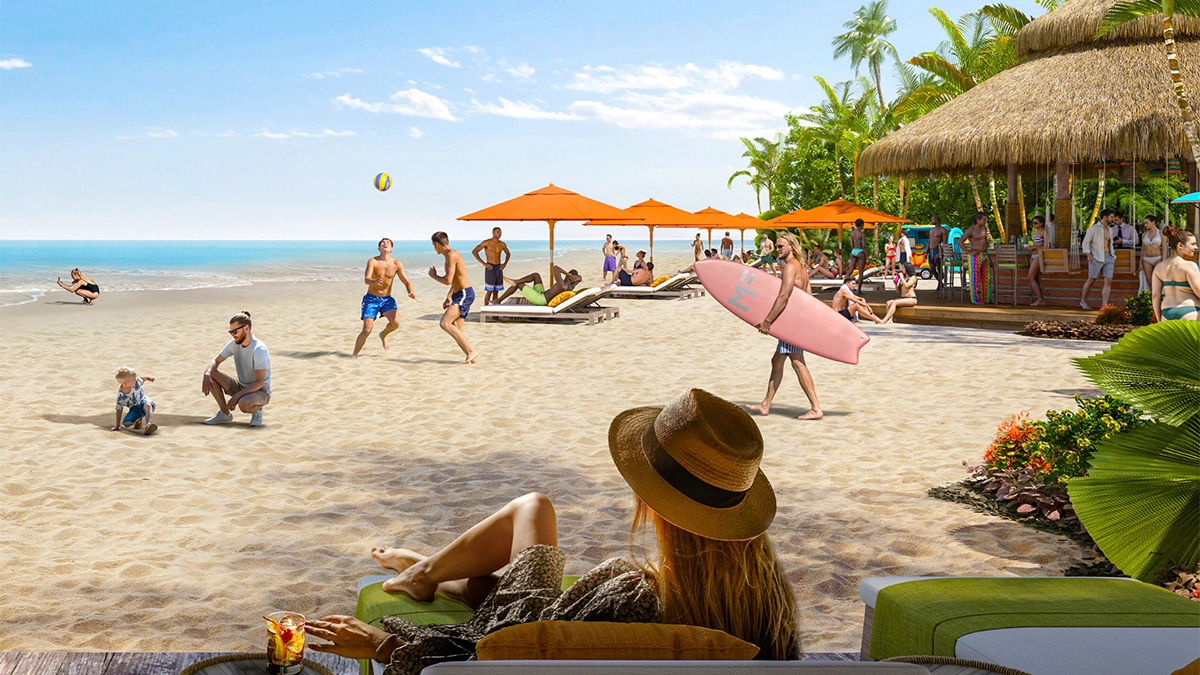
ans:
(693, 468)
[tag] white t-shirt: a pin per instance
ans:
(249, 359)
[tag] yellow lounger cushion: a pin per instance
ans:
(660, 280)
(601, 641)
(560, 298)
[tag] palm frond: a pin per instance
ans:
(1155, 367)
(1141, 500)
(1126, 11)
(1006, 19)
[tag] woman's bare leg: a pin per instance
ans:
(465, 565)
(1034, 286)
(892, 305)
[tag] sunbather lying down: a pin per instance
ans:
(641, 276)
(533, 290)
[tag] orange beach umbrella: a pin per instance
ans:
(653, 213)
(838, 212)
(550, 204)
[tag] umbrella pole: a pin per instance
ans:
(710, 237)
(743, 233)
(550, 278)
(651, 242)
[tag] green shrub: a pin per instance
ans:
(1140, 309)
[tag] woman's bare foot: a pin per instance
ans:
(409, 580)
(813, 414)
(760, 408)
(395, 559)
(471, 359)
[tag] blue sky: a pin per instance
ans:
(269, 120)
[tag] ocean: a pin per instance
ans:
(28, 269)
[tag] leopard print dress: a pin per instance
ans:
(530, 590)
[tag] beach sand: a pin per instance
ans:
(183, 540)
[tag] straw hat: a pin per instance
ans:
(695, 463)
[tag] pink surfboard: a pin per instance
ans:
(806, 322)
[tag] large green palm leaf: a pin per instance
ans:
(1141, 501)
(1155, 367)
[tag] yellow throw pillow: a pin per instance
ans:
(660, 280)
(603, 641)
(1192, 668)
(560, 298)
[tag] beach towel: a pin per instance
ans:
(981, 280)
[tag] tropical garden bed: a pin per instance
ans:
(1111, 323)
(1122, 479)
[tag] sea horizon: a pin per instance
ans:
(29, 267)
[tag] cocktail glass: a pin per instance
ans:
(285, 643)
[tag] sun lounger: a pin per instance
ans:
(677, 287)
(581, 307)
(1068, 625)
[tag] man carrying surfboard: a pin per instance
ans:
(794, 274)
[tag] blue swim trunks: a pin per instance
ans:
(136, 413)
(463, 299)
(374, 306)
(610, 263)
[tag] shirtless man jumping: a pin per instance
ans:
(382, 271)
(461, 295)
(793, 275)
(493, 267)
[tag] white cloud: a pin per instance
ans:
(415, 132)
(265, 133)
(324, 133)
(228, 133)
(158, 132)
(712, 114)
(12, 64)
(335, 73)
(489, 78)
(473, 49)
(523, 71)
(520, 110)
(726, 75)
(438, 56)
(412, 102)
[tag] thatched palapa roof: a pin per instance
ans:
(1072, 99)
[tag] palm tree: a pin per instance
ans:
(1130, 10)
(841, 123)
(765, 159)
(866, 40)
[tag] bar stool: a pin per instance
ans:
(954, 272)
(1004, 258)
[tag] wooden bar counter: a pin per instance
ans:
(1061, 285)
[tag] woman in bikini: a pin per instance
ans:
(907, 288)
(82, 286)
(1037, 241)
(1151, 247)
(1175, 288)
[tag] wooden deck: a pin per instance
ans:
(932, 310)
(171, 663)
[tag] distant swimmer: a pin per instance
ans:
(533, 290)
(81, 286)
(382, 271)
(461, 295)
(493, 266)
(794, 274)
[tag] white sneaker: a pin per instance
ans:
(256, 418)
(220, 418)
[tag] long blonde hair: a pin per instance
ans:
(82, 278)
(797, 250)
(738, 587)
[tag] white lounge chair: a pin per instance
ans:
(581, 307)
(677, 287)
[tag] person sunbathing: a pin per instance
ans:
(640, 276)
(713, 564)
(907, 288)
(533, 290)
(850, 305)
(818, 263)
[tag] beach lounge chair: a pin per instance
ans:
(1040, 625)
(677, 287)
(374, 603)
(581, 307)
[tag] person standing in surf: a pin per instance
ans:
(794, 274)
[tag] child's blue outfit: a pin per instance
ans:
(134, 400)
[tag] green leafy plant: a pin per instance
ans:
(1141, 498)
(1140, 309)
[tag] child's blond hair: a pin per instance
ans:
(125, 374)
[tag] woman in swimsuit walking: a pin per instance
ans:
(82, 286)
(1175, 286)
(1037, 241)
(1151, 247)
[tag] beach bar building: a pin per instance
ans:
(1073, 103)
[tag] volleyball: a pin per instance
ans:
(383, 182)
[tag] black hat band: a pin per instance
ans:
(685, 481)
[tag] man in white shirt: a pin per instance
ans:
(251, 389)
(1124, 234)
(904, 251)
(1098, 245)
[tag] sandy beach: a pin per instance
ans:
(182, 540)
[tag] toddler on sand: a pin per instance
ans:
(131, 396)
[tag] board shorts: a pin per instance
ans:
(493, 278)
(768, 259)
(136, 413)
(463, 299)
(786, 348)
(535, 294)
(235, 387)
(1097, 269)
(610, 263)
(846, 313)
(934, 256)
(374, 306)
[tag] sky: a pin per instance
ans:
(134, 119)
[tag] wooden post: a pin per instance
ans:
(1193, 212)
(1012, 207)
(1064, 208)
